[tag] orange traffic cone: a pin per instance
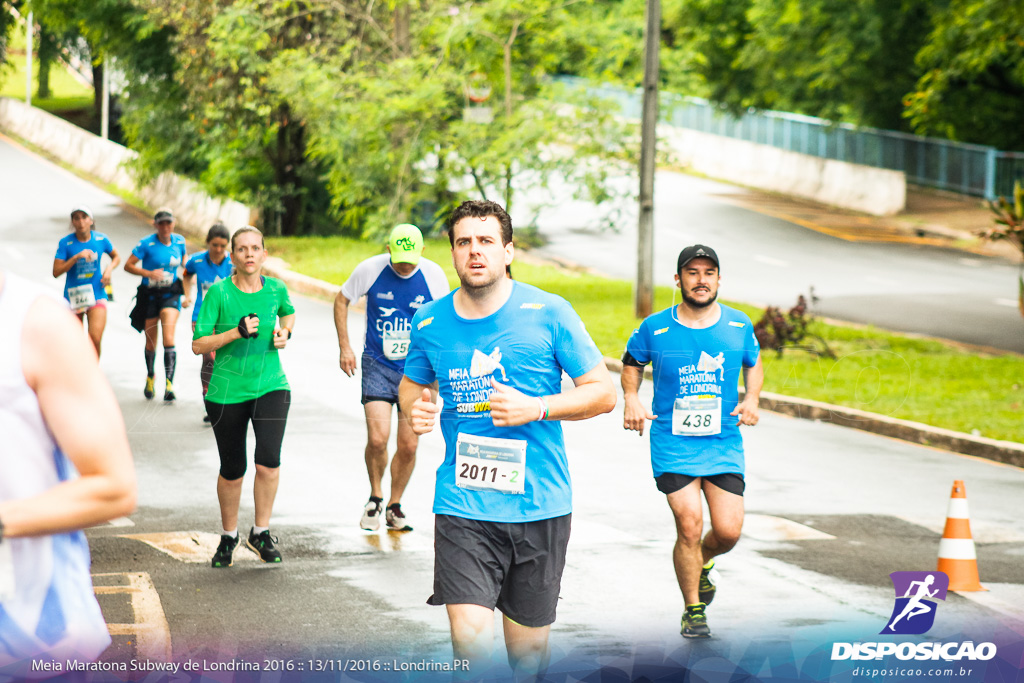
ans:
(956, 549)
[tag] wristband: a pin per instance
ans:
(243, 330)
(544, 410)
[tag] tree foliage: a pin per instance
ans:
(838, 59)
(972, 75)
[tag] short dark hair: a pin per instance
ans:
(480, 208)
(218, 230)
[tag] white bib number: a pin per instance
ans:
(166, 281)
(692, 416)
(484, 463)
(396, 344)
(6, 572)
(81, 297)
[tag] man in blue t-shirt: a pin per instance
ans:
(396, 285)
(698, 349)
(495, 350)
(80, 255)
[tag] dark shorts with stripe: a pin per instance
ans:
(670, 482)
(514, 566)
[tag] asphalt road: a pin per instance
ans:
(832, 512)
(905, 286)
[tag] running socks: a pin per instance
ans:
(150, 360)
(170, 360)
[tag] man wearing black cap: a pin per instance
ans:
(698, 348)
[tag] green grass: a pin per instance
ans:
(67, 92)
(906, 377)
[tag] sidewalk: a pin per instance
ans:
(932, 217)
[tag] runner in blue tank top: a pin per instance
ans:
(396, 285)
(157, 259)
(699, 349)
(206, 268)
(80, 256)
(495, 349)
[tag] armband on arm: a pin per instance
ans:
(627, 359)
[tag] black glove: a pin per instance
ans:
(243, 330)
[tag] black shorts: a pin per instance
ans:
(159, 299)
(516, 567)
(380, 383)
(670, 482)
(269, 417)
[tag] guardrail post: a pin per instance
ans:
(990, 174)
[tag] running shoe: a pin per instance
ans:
(264, 545)
(226, 548)
(371, 515)
(149, 391)
(396, 519)
(168, 391)
(695, 622)
(206, 419)
(707, 585)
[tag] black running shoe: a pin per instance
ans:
(707, 586)
(695, 622)
(226, 548)
(264, 545)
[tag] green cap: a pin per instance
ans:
(406, 243)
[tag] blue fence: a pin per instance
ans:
(933, 162)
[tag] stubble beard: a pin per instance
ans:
(694, 303)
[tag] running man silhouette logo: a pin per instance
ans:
(483, 364)
(916, 593)
(708, 363)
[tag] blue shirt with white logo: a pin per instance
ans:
(526, 344)
(391, 302)
(85, 272)
(695, 363)
(207, 272)
(154, 255)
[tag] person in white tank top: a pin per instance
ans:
(65, 464)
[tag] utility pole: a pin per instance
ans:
(105, 107)
(643, 291)
(28, 60)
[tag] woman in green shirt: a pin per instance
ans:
(239, 320)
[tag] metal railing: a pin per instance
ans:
(976, 170)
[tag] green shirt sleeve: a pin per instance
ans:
(206, 323)
(284, 306)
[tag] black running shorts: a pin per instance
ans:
(516, 567)
(670, 482)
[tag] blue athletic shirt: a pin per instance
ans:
(391, 301)
(526, 344)
(85, 272)
(154, 255)
(207, 272)
(695, 362)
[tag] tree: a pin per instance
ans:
(387, 122)
(972, 81)
(837, 59)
